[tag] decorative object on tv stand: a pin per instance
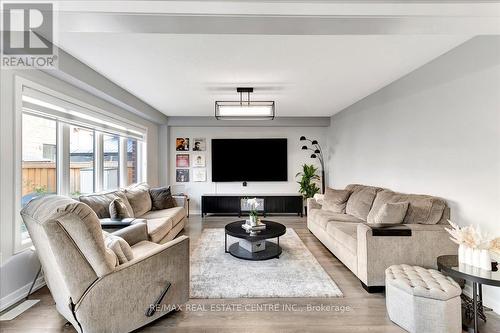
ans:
(317, 153)
(473, 246)
(244, 110)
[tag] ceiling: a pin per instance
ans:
(312, 58)
(183, 75)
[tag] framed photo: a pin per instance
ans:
(182, 144)
(182, 175)
(198, 160)
(182, 160)
(199, 144)
(200, 175)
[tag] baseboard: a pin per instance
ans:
(20, 294)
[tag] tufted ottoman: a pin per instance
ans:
(422, 300)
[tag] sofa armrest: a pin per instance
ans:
(134, 233)
(312, 204)
(376, 253)
(132, 288)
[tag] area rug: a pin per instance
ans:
(215, 274)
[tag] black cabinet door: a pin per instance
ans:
(285, 204)
(215, 204)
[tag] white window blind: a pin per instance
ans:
(37, 102)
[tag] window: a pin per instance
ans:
(71, 148)
(132, 158)
(39, 168)
(81, 161)
(111, 148)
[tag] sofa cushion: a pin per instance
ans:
(139, 198)
(361, 200)
(118, 210)
(158, 228)
(335, 200)
(176, 214)
(389, 213)
(422, 209)
(99, 202)
(119, 246)
(144, 248)
(323, 217)
(345, 234)
(161, 198)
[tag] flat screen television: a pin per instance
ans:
(257, 160)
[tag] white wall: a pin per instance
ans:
(296, 158)
(435, 131)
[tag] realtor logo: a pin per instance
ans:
(27, 35)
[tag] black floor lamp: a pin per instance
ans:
(317, 153)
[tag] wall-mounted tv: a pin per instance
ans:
(257, 160)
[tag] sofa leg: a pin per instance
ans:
(373, 289)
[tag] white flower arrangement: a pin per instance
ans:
(469, 236)
(254, 204)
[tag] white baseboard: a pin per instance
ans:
(19, 294)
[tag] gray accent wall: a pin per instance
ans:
(435, 131)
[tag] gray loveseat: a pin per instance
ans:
(350, 238)
(162, 225)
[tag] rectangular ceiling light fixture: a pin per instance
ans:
(244, 110)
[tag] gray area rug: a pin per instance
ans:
(215, 274)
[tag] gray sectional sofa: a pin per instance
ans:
(351, 239)
(162, 225)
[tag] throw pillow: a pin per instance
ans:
(161, 198)
(390, 213)
(119, 210)
(139, 198)
(119, 246)
(335, 200)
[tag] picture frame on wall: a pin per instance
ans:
(182, 175)
(199, 144)
(182, 144)
(182, 160)
(199, 160)
(199, 175)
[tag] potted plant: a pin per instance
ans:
(254, 204)
(307, 182)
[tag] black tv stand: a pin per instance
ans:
(230, 204)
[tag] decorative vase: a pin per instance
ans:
(468, 255)
(476, 257)
(485, 260)
(461, 254)
(253, 220)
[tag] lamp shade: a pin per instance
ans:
(317, 151)
(253, 110)
(314, 142)
(313, 155)
(302, 138)
(304, 147)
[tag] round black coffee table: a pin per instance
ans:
(448, 264)
(271, 250)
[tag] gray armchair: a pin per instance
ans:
(90, 290)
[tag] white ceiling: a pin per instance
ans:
(184, 74)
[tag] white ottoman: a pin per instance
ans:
(422, 300)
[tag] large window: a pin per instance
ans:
(81, 161)
(39, 164)
(132, 161)
(111, 147)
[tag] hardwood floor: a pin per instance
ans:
(366, 311)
